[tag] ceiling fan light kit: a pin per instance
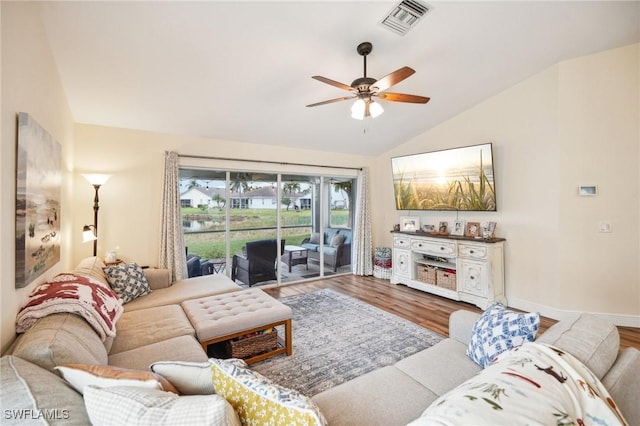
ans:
(364, 89)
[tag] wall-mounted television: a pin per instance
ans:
(458, 179)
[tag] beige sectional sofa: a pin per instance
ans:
(399, 394)
(154, 328)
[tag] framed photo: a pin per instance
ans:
(442, 227)
(428, 228)
(489, 230)
(409, 223)
(472, 229)
(458, 228)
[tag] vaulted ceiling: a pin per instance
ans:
(241, 71)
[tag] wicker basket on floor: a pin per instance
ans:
(248, 346)
(380, 272)
(446, 279)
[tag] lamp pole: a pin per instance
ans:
(96, 180)
(95, 219)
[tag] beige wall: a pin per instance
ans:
(30, 83)
(574, 124)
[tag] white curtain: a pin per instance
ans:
(172, 251)
(362, 251)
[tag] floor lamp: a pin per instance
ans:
(97, 180)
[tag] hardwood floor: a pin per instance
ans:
(419, 307)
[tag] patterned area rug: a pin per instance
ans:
(337, 337)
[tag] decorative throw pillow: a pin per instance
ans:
(337, 240)
(128, 280)
(190, 378)
(125, 405)
(252, 395)
(315, 238)
(500, 329)
(79, 376)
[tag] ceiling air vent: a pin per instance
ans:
(404, 16)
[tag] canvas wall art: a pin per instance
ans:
(38, 183)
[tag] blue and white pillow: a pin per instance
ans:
(498, 330)
(128, 280)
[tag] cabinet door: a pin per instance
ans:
(473, 278)
(401, 262)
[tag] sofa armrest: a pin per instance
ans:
(461, 324)
(623, 384)
(158, 277)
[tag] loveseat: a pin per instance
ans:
(399, 394)
(336, 247)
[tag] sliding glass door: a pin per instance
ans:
(227, 212)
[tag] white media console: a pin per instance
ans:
(459, 268)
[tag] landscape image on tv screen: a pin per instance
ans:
(452, 179)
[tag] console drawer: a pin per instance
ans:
(434, 247)
(401, 242)
(472, 251)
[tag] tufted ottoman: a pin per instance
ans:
(226, 316)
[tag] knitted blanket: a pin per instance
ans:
(77, 294)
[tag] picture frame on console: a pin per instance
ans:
(458, 228)
(409, 223)
(472, 230)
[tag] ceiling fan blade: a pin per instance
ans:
(330, 101)
(394, 78)
(333, 83)
(401, 97)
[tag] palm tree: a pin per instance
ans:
(193, 184)
(344, 186)
(219, 200)
(291, 187)
(239, 184)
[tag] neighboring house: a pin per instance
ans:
(198, 196)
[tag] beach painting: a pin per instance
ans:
(38, 183)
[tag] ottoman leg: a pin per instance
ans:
(288, 333)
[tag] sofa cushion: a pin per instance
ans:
(440, 368)
(181, 290)
(60, 339)
(315, 238)
(252, 394)
(591, 339)
(184, 348)
(79, 376)
(139, 406)
(394, 397)
(92, 267)
(158, 277)
(500, 329)
(144, 326)
(28, 390)
(190, 378)
(128, 280)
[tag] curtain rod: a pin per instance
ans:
(204, 157)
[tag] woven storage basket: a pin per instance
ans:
(446, 279)
(380, 272)
(249, 346)
(427, 274)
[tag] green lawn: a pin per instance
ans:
(247, 225)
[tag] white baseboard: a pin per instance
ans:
(560, 314)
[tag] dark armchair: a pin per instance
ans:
(258, 263)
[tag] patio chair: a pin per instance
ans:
(258, 264)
